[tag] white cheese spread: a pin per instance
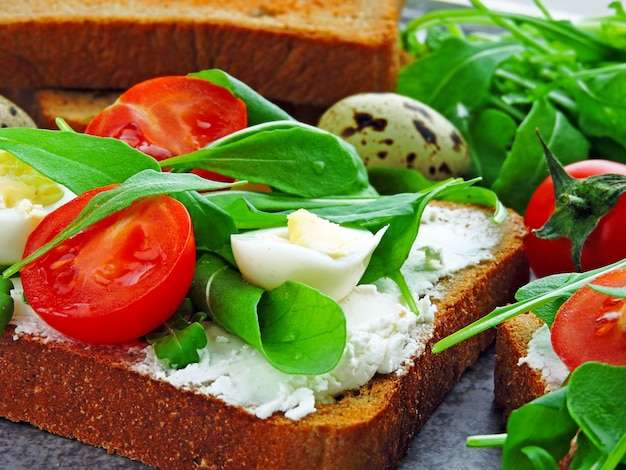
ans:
(541, 357)
(383, 335)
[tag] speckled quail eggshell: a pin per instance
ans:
(395, 131)
(12, 115)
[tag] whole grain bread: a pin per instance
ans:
(516, 384)
(307, 53)
(89, 393)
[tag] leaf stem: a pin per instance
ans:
(486, 440)
(617, 454)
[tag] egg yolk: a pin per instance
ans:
(19, 181)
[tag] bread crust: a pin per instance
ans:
(516, 384)
(310, 53)
(90, 394)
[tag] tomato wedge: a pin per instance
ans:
(173, 115)
(118, 279)
(591, 326)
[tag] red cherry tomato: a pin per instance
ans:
(604, 245)
(118, 279)
(169, 116)
(591, 326)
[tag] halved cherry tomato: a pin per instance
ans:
(604, 245)
(591, 326)
(169, 116)
(118, 279)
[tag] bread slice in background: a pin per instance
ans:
(91, 394)
(290, 51)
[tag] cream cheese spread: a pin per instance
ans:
(383, 335)
(541, 357)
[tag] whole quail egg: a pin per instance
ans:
(396, 131)
(12, 115)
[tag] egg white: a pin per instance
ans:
(17, 223)
(267, 259)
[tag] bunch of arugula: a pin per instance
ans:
(305, 166)
(499, 76)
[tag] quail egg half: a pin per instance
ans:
(396, 131)
(310, 250)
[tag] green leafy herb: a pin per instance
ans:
(297, 329)
(542, 296)
(78, 161)
(525, 73)
(178, 341)
(589, 409)
(6, 302)
(272, 153)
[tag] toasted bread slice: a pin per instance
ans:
(309, 53)
(526, 367)
(94, 395)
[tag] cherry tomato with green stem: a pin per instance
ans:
(604, 245)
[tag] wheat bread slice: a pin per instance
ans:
(515, 383)
(91, 393)
(308, 53)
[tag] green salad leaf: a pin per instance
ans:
(297, 329)
(589, 410)
(526, 73)
(78, 161)
(178, 341)
(272, 153)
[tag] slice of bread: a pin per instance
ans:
(526, 366)
(92, 393)
(516, 384)
(307, 53)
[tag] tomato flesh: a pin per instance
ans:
(118, 279)
(173, 115)
(604, 245)
(591, 326)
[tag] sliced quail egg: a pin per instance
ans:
(12, 115)
(392, 130)
(26, 196)
(311, 250)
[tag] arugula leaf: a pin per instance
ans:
(564, 79)
(259, 108)
(179, 347)
(6, 302)
(272, 153)
(548, 292)
(446, 74)
(297, 329)
(78, 161)
(525, 166)
(142, 184)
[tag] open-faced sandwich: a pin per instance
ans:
(223, 287)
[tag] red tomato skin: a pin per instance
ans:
(604, 245)
(98, 299)
(172, 115)
(581, 334)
